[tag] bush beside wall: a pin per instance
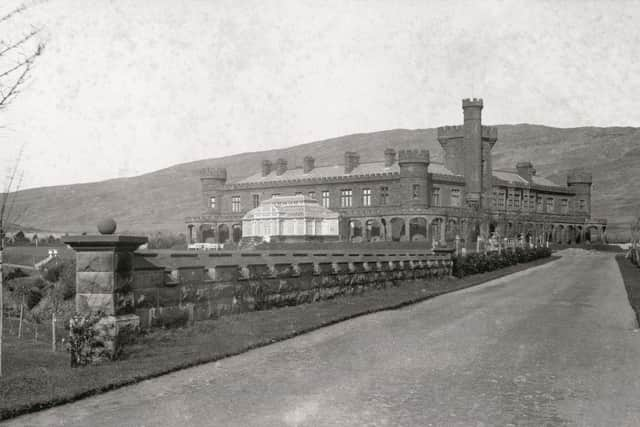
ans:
(483, 262)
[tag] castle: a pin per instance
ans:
(408, 197)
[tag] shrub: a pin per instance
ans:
(476, 263)
(63, 272)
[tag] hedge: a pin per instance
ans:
(475, 263)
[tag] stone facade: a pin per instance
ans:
(409, 197)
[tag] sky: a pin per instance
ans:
(129, 87)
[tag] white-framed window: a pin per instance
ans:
(435, 196)
(564, 206)
(384, 195)
(550, 204)
(256, 200)
(212, 202)
(455, 197)
(415, 191)
(516, 199)
(501, 197)
(235, 204)
(539, 203)
(312, 194)
(583, 205)
(326, 199)
(366, 197)
(346, 198)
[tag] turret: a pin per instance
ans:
(213, 181)
(472, 129)
(414, 177)
(309, 164)
(581, 182)
(389, 157)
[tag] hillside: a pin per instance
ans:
(159, 201)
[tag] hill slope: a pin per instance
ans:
(159, 201)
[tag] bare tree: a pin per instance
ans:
(17, 58)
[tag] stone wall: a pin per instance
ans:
(212, 284)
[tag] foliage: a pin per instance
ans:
(475, 263)
(63, 273)
(14, 274)
(167, 241)
(83, 339)
(28, 289)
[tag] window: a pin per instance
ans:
(516, 199)
(212, 202)
(550, 204)
(384, 195)
(564, 206)
(366, 197)
(346, 198)
(501, 196)
(583, 205)
(298, 193)
(539, 203)
(525, 201)
(509, 199)
(235, 204)
(312, 194)
(326, 201)
(275, 195)
(256, 200)
(455, 197)
(435, 197)
(415, 191)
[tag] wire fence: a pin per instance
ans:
(28, 331)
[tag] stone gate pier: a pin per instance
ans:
(104, 281)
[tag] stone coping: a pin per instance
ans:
(105, 242)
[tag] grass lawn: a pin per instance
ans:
(631, 276)
(35, 378)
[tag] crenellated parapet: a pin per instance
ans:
(472, 102)
(450, 132)
(413, 156)
(213, 173)
(579, 177)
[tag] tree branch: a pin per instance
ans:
(19, 42)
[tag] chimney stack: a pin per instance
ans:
(389, 157)
(266, 167)
(351, 161)
(525, 170)
(309, 164)
(281, 166)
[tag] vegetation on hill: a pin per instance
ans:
(160, 200)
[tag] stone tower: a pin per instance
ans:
(213, 181)
(414, 177)
(581, 183)
(467, 152)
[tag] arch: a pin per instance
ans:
(397, 229)
(560, 234)
(571, 234)
(435, 231)
(206, 233)
(417, 229)
(593, 234)
(579, 234)
(355, 229)
(236, 232)
(223, 233)
(373, 230)
(451, 230)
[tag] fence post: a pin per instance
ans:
(53, 332)
(20, 322)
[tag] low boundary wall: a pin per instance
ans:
(211, 284)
